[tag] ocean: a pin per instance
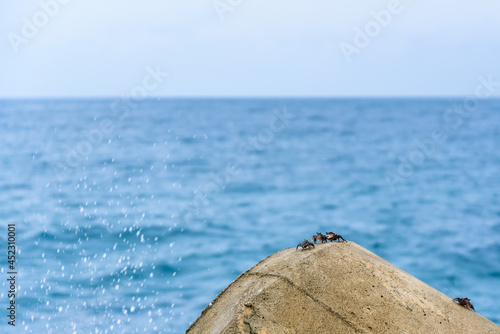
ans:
(131, 216)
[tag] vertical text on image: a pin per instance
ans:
(11, 273)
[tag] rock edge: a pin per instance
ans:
(334, 288)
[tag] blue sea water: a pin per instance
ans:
(131, 217)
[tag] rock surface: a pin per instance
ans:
(334, 288)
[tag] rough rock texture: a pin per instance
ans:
(334, 288)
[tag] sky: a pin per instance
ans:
(247, 48)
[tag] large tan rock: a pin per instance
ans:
(334, 288)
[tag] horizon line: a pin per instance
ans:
(256, 97)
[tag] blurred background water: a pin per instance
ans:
(133, 219)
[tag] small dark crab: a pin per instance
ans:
(306, 244)
(465, 302)
(333, 237)
(319, 237)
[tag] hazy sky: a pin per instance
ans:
(247, 47)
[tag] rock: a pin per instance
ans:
(334, 288)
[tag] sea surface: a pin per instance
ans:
(132, 216)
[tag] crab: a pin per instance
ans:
(465, 302)
(319, 237)
(306, 244)
(332, 236)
